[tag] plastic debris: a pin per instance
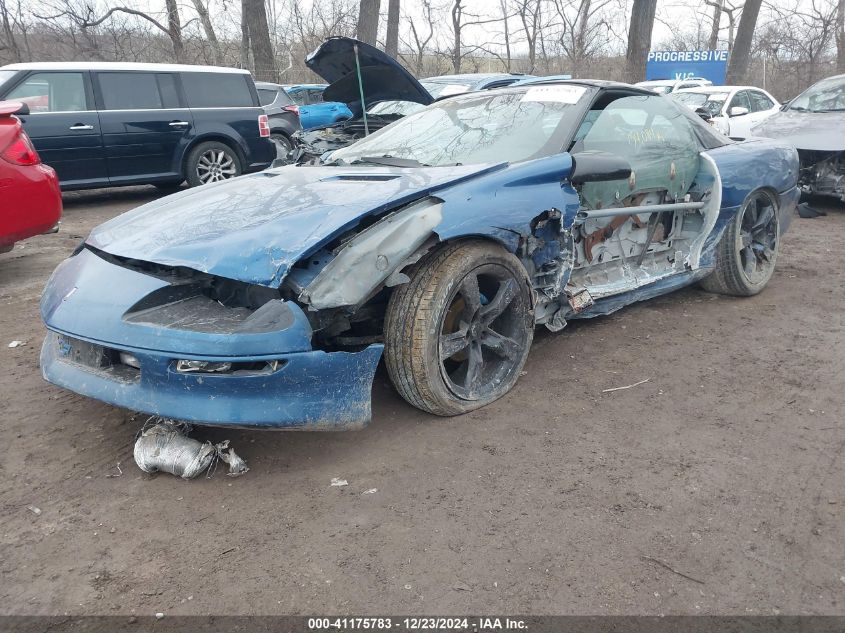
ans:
(163, 445)
(35, 510)
(339, 482)
(16, 343)
(806, 211)
(371, 491)
(159, 616)
(237, 466)
(636, 384)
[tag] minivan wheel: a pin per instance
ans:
(212, 161)
(284, 146)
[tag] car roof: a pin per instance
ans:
(602, 84)
(305, 86)
(708, 89)
(122, 66)
(472, 77)
(267, 84)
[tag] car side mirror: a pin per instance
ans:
(738, 111)
(24, 109)
(704, 113)
(595, 166)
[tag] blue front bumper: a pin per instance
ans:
(84, 307)
(312, 391)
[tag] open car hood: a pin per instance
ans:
(817, 131)
(383, 78)
(254, 228)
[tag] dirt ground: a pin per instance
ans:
(717, 487)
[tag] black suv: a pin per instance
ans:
(105, 124)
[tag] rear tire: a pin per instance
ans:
(211, 161)
(284, 146)
(458, 334)
(747, 253)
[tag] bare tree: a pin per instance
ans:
(391, 42)
(83, 17)
(9, 41)
(741, 51)
(461, 20)
(245, 48)
(713, 42)
(840, 36)
(421, 34)
(639, 38)
(529, 12)
(583, 30)
(503, 5)
(174, 30)
(798, 42)
(208, 28)
(255, 16)
(368, 14)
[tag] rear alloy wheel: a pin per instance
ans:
(212, 162)
(747, 254)
(284, 146)
(457, 336)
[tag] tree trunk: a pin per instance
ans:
(713, 42)
(9, 34)
(504, 6)
(391, 42)
(208, 28)
(457, 25)
(259, 39)
(840, 37)
(639, 39)
(174, 30)
(367, 30)
(741, 51)
(580, 48)
(244, 35)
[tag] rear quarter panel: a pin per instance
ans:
(240, 125)
(746, 166)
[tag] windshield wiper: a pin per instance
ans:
(830, 110)
(798, 108)
(389, 161)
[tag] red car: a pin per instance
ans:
(30, 199)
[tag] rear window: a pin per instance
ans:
(138, 91)
(6, 75)
(266, 96)
(217, 90)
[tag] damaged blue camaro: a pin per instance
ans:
(438, 242)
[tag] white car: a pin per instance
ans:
(734, 109)
(667, 86)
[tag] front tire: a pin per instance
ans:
(458, 334)
(211, 161)
(748, 251)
